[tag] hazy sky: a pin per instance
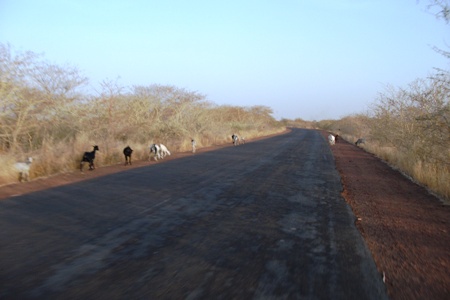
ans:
(313, 59)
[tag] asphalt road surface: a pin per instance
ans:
(264, 220)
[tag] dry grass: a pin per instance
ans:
(55, 157)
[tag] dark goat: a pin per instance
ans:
(360, 141)
(127, 152)
(89, 157)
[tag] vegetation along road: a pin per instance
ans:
(262, 220)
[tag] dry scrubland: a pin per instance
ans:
(45, 113)
(410, 129)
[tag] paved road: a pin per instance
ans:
(264, 220)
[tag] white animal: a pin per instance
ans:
(164, 151)
(24, 169)
(194, 144)
(331, 139)
(242, 140)
(160, 151)
(155, 149)
(235, 139)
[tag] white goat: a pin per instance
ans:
(164, 150)
(331, 139)
(155, 149)
(160, 151)
(235, 139)
(24, 169)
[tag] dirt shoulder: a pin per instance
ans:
(405, 227)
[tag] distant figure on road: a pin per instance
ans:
(193, 145)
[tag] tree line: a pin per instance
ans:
(46, 111)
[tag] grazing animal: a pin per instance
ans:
(24, 169)
(160, 151)
(155, 149)
(242, 140)
(331, 139)
(235, 139)
(360, 141)
(164, 151)
(89, 158)
(127, 153)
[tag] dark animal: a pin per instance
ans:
(127, 152)
(89, 157)
(360, 141)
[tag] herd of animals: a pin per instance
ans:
(160, 151)
(237, 140)
(332, 139)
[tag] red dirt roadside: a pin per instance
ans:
(406, 228)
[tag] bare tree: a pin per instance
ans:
(442, 7)
(415, 120)
(36, 98)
